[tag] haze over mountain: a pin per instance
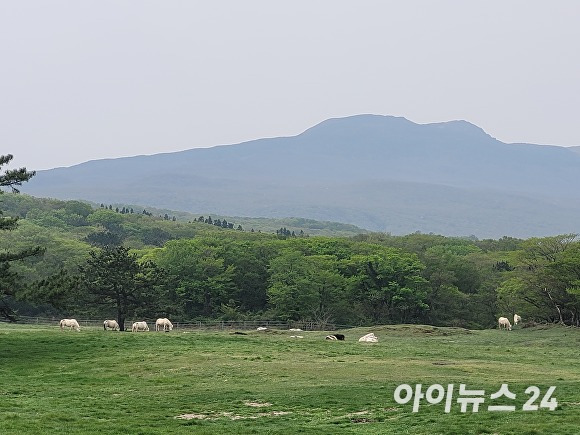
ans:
(382, 173)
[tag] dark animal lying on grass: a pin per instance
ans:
(335, 337)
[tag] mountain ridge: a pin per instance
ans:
(363, 156)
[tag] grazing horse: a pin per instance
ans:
(69, 323)
(504, 323)
(163, 323)
(139, 326)
(111, 324)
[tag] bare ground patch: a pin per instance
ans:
(257, 404)
(230, 415)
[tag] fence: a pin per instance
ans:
(218, 325)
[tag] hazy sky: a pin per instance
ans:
(83, 80)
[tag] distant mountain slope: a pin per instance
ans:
(378, 172)
(40, 209)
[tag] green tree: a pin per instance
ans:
(388, 286)
(9, 280)
(60, 290)
(78, 208)
(514, 296)
(103, 238)
(290, 292)
(106, 218)
(111, 232)
(114, 278)
(155, 236)
(197, 270)
(250, 259)
(331, 289)
(565, 272)
(456, 284)
(542, 260)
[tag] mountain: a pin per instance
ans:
(383, 173)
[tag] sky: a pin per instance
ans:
(91, 79)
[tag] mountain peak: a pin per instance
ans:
(355, 124)
(386, 125)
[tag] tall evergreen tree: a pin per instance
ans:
(9, 282)
(113, 277)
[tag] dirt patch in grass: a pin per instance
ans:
(230, 415)
(192, 416)
(257, 404)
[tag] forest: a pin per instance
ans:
(73, 258)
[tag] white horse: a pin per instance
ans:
(111, 324)
(164, 323)
(504, 323)
(517, 319)
(69, 323)
(139, 326)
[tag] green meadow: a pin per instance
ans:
(203, 382)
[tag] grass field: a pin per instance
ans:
(92, 381)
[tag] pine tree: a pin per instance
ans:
(9, 282)
(114, 277)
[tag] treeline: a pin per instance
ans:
(374, 279)
(193, 270)
(129, 210)
(222, 223)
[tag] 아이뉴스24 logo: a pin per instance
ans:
(435, 394)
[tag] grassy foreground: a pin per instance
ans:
(139, 383)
